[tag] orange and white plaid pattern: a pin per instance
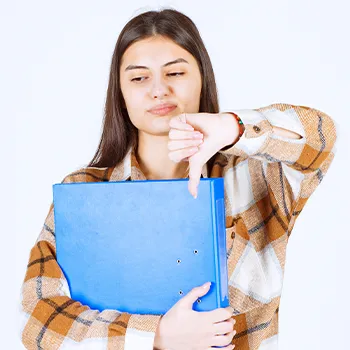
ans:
(268, 179)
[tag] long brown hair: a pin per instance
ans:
(118, 133)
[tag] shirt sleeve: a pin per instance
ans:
(301, 162)
(52, 320)
(268, 180)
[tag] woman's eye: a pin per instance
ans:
(175, 74)
(137, 79)
(141, 79)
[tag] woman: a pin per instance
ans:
(162, 121)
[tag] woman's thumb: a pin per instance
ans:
(195, 293)
(194, 175)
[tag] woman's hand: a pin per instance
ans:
(215, 130)
(182, 328)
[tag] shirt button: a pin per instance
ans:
(256, 129)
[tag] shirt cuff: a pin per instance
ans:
(257, 130)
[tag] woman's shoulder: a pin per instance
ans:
(88, 174)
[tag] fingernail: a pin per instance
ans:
(206, 285)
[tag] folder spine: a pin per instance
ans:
(218, 207)
(216, 248)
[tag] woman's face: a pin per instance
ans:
(169, 75)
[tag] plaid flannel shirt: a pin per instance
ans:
(268, 179)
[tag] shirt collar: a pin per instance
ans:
(129, 169)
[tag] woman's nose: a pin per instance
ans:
(159, 88)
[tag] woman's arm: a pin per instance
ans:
(52, 320)
(294, 143)
(301, 137)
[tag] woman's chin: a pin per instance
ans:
(161, 125)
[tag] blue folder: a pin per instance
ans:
(140, 246)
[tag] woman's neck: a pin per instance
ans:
(152, 156)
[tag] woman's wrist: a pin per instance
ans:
(233, 129)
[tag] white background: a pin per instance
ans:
(55, 63)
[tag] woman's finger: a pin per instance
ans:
(194, 177)
(224, 327)
(224, 340)
(178, 156)
(175, 134)
(180, 144)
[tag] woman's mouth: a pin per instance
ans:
(162, 110)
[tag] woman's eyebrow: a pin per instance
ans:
(178, 60)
